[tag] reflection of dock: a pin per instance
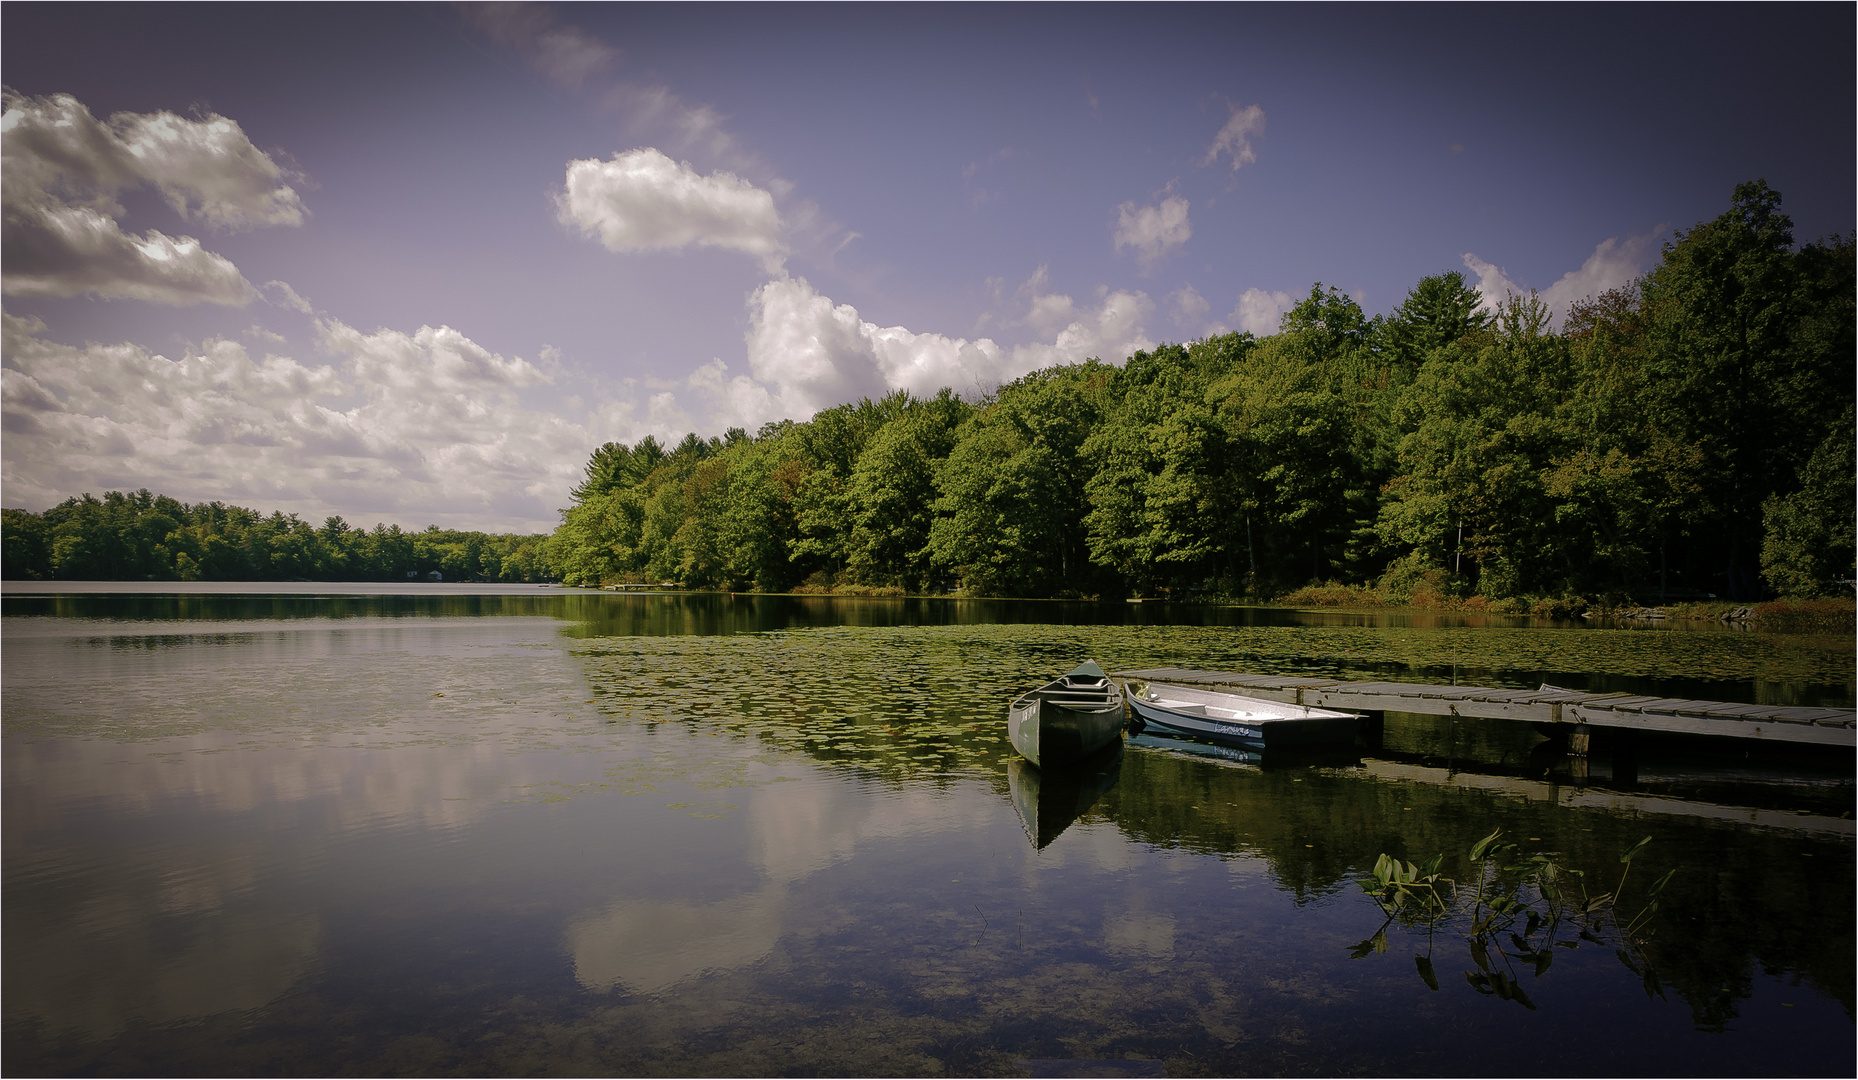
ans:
(1576, 709)
(1636, 804)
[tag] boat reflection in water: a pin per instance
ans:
(1049, 800)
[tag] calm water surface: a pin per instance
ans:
(264, 829)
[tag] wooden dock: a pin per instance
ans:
(1577, 709)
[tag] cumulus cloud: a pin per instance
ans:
(63, 168)
(1109, 330)
(642, 200)
(807, 353)
(427, 423)
(57, 250)
(567, 55)
(1493, 285)
(1614, 263)
(208, 170)
(1259, 313)
(812, 354)
(815, 352)
(1152, 232)
(1235, 138)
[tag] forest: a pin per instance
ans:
(138, 536)
(1690, 434)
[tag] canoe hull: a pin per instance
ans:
(1048, 733)
(1068, 719)
(1236, 720)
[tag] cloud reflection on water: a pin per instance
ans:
(794, 830)
(133, 854)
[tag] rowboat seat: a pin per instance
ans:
(1192, 708)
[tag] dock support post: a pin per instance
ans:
(1373, 729)
(1579, 740)
(1625, 757)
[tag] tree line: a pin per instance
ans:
(140, 536)
(1689, 433)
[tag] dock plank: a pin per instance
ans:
(1631, 702)
(1547, 704)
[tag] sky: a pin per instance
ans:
(412, 264)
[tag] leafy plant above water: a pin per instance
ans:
(1527, 902)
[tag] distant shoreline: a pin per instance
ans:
(278, 588)
(1837, 615)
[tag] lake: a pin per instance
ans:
(434, 829)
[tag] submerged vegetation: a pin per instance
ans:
(1685, 436)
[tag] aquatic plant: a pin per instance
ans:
(1530, 902)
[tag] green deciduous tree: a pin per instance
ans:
(1808, 544)
(1011, 504)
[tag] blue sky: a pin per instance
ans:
(412, 264)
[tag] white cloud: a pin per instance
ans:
(1152, 231)
(63, 168)
(426, 425)
(815, 354)
(1110, 331)
(641, 200)
(1613, 264)
(1259, 313)
(427, 362)
(208, 170)
(57, 250)
(1493, 285)
(807, 353)
(1234, 139)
